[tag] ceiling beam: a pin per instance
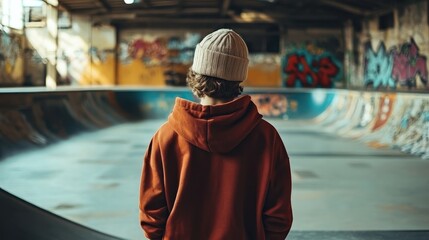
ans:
(345, 7)
(187, 20)
(297, 22)
(154, 12)
(228, 24)
(225, 7)
(242, 28)
(173, 16)
(180, 6)
(104, 4)
(146, 3)
(61, 6)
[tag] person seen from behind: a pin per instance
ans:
(216, 170)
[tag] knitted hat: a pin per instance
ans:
(222, 54)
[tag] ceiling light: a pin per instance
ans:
(129, 1)
(253, 16)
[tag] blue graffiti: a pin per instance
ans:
(378, 67)
(98, 56)
(182, 50)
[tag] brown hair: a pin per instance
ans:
(202, 85)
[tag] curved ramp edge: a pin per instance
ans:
(23, 220)
(381, 120)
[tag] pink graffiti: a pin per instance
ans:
(408, 63)
(148, 51)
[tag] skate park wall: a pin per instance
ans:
(35, 118)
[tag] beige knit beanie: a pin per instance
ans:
(222, 54)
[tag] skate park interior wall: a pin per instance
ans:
(389, 51)
(85, 52)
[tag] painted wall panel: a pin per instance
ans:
(264, 71)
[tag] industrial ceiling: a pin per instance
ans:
(215, 13)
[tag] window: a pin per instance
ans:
(11, 12)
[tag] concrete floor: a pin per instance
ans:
(338, 184)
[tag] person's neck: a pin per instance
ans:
(213, 101)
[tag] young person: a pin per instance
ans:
(216, 170)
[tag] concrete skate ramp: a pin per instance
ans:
(22, 220)
(32, 119)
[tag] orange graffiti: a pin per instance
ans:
(270, 105)
(384, 110)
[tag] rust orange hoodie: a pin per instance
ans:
(216, 172)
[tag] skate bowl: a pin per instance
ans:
(38, 117)
(31, 120)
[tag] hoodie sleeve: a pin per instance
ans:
(153, 207)
(277, 215)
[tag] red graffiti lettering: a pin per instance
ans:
(320, 74)
(298, 70)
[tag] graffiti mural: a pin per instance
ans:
(378, 67)
(271, 105)
(156, 58)
(313, 64)
(150, 52)
(182, 51)
(408, 64)
(400, 65)
(385, 109)
(99, 55)
(161, 50)
(307, 71)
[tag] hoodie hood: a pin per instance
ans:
(214, 128)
